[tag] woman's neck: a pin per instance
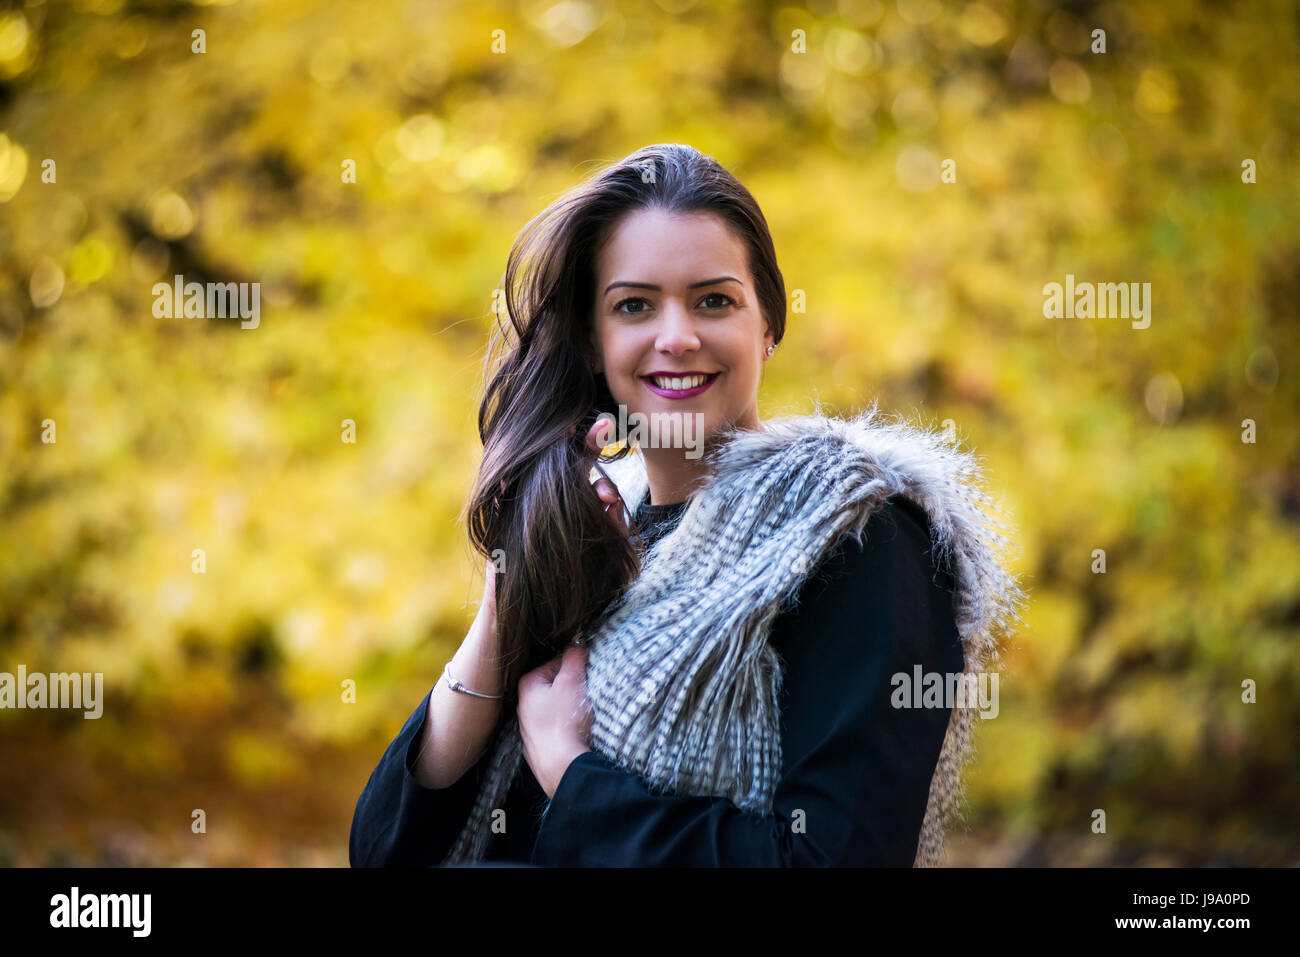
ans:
(673, 477)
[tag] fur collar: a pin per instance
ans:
(967, 525)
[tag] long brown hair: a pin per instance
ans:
(564, 561)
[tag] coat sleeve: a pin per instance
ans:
(400, 823)
(856, 771)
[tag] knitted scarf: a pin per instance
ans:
(682, 681)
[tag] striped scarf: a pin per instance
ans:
(682, 681)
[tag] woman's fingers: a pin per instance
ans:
(615, 512)
(608, 494)
(572, 664)
(599, 434)
(544, 673)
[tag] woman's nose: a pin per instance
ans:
(677, 330)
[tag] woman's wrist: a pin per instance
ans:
(475, 663)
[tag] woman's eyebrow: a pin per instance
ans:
(694, 285)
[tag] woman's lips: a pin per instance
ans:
(679, 393)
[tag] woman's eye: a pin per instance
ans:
(619, 307)
(726, 301)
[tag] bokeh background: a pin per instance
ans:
(328, 561)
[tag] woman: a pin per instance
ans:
(729, 684)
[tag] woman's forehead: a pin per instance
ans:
(661, 249)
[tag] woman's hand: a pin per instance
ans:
(484, 631)
(487, 606)
(598, 436)
(555, 716)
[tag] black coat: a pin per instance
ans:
(857, 768)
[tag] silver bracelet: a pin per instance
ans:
(455, 685)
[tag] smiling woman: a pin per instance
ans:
(711, 686)
(688, 338)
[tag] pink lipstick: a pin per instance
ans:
(682, 393)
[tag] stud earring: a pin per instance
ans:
(770, 350)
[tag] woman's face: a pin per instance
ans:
(674, 297)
